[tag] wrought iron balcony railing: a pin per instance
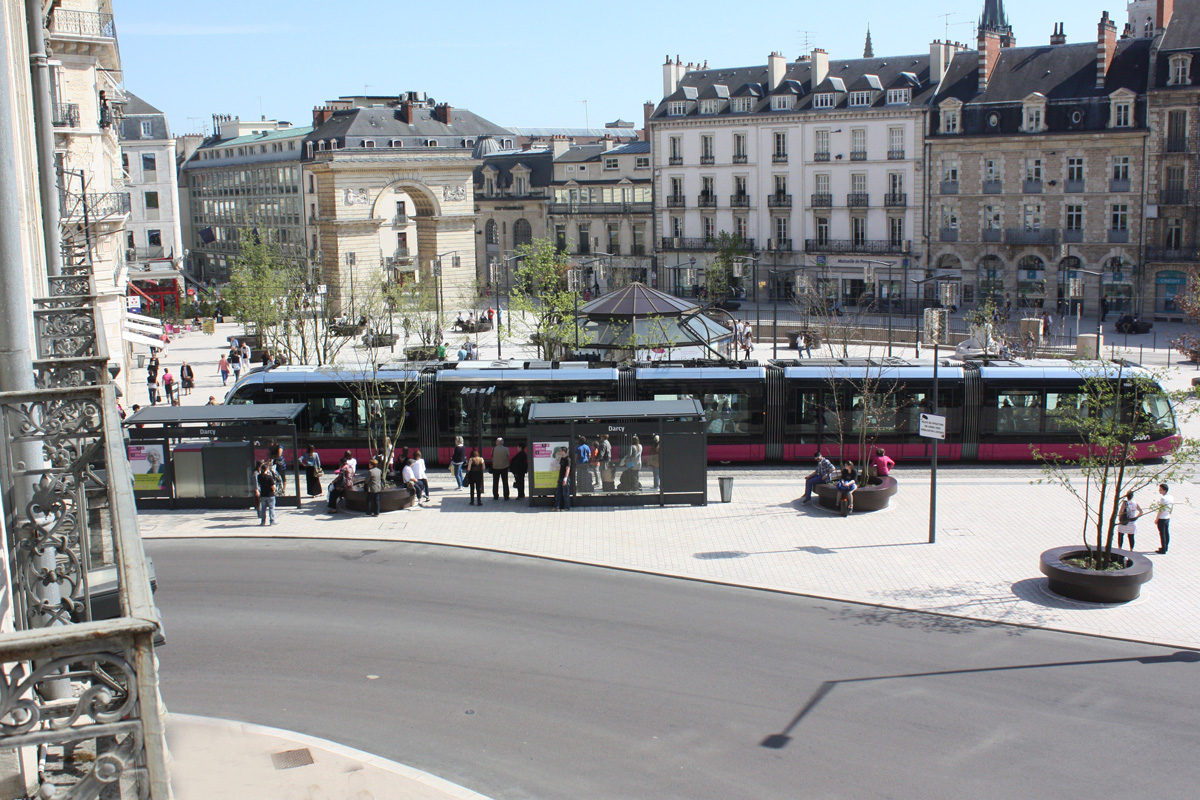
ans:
(688, 243)
(87, 24)
(708, 200)
(779, 200)
(65, 115)
(855, 246)
(740, 158)
(895, 199)
(99, 206)
(739, 201)
(822, 200)
(599, 208)
(1173, 197)
(1176, 255)
(1023, 236)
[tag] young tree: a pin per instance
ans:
(264, 290)
(1118, 409)
(541, 295)
(718, 278)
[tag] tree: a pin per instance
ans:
(541, 294)
(718, 278)
(1118, 410)
(1189, 302)
(264, 289)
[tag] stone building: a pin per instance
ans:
(1035, 164)
(513, 189)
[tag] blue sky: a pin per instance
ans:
(529, 65)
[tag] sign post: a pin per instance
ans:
(935, 325)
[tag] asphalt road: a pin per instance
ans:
(523, 678)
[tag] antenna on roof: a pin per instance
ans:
(586, 122)
(806, 40)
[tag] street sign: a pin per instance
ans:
(933, 426)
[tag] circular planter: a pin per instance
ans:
(1116, 586)
(390, 499)
(871, 497)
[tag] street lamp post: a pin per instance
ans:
(757, 305)
(887, 264)
(773, 274)
(1099, 297)
(947, 294)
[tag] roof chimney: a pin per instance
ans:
(939, 60)
(820, 68)
(559, 144)
(1058, 37)
(406, 111)
(441, 112)
(321, 114)
(776, 67)
(1163, 11)
(1106, 46)
(989, 54)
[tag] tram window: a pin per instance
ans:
(877, 413)
(804, 412)
(1064, 410)
(725, 412)
(1158, 410)
(1018, 411)
(909, 405)
(331, 416)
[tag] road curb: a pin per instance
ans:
(369, 759)
(714, 582)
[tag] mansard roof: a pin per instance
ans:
(538, 162)
(353, 125)
(1183, 31)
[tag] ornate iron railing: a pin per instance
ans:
(82, 23)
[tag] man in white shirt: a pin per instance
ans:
(1163, 518)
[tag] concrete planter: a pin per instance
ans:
(391, 499)
(866, 498)
(1116, 586)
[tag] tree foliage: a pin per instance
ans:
(718, 278)
(541, 294)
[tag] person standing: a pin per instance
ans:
(187, 377)
(265, 494)
(583, 457)
(223, 369)
(169, 387)
(419, 475)
(605, 460)
(311, 461)
(1162, 519)
(245, 353)
(500, 463)
(235, 363)
(1127, 520)
(458, 460)
(475, 468)
(519, 465)
(373, 487)
(152, 364)
(562, 489)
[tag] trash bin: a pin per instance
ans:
(726, 485)
(141, 360)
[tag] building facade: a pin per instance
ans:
(815, 164)
(1036, 170)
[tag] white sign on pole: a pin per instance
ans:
(933, 426)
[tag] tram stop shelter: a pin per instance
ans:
(673, 467)
(204, 456)
(637, 317)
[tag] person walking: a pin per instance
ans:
(1127, 520)
(519, 466)
(458, 460)
(1162, 519)
(187, 378)
(500, 463)
(152, 364)
(265, 493)
(373, 487)
(311, 461)
(223, 369)
(475, 468)
(562, 489)
(169, 387)
(235, 363)
(152, 387)
(420, 476)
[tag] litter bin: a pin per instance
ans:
(726, 485)
(141, 360)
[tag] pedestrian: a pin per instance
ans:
(519, 466)
(341, 483)
(152, 387)
(168, 383)
(152, 364)
(879, 467)
(463, 353)
(235, 363)
(458, 460)
(1104, 316)
(265, 493)
(351, 462)
(583, 457)
(245, 353)
(311, 461)
(847, 485)
(373, 487)
(418, 463)
(500, 463)
(223, 368)
(1162, 519)
(748, 342)
(212, 400)
(475, 468)
(562, 489)
(187, 377)
(441, 351)
(822, 474)
(605, 459)
(1127, 520)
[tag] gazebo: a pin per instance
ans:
(636, 317)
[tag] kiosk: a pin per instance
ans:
(658, 452)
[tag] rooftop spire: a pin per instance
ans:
(994, 19)
(868, 51)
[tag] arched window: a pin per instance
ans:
(1031, 282)
(491, 235)
(990, 280)
(522, 233)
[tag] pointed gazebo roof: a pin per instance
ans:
(636, 300)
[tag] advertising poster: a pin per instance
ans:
(546, 456)
(149, 467)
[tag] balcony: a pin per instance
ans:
(739, 158)
(858, 155)
(992, 235)
(949, 235)
(708, 160)
(739, 201)
(895, 200)
(1118, 185)
(858, 200)
(1072, 236)
(637, 250)
(400, 220)
(401, 253)
(1032, 186)
(823, 200)
(65, 115)
(883, 246)
(1074, 187)
(1187, 255)
(780, 245)
(1023, 236)
(949, 187)
(1118, 236)
(676, 201)
(560, 209)
(1177, 144)
(1173, 197)
(779, 158)
(779, 201)
(682, 243)
(706, 200)
(144, 253)
(895, 155)
(993, 187)
(99, 206)
(675, 161)
(822, 156)
(82, 24)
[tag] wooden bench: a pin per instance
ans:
(871, 497)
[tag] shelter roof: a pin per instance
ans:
(636, 300)
(555, 412)
(216, 415)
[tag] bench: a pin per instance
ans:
(866, 498)
(393, 498)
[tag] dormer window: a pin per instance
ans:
(368, 142)
(709, 106)
(431, 143)
(860, 98)
(823, 100)
(1033, 114)
(395, 143)
(1033, 120)
(742, 105)
(899, 97)
(781, 102)
(950, 122)
(676, 108)
(1181, 67)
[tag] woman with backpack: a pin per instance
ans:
(1127, 520)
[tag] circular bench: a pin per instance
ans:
(393, 498)
(866, 498)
